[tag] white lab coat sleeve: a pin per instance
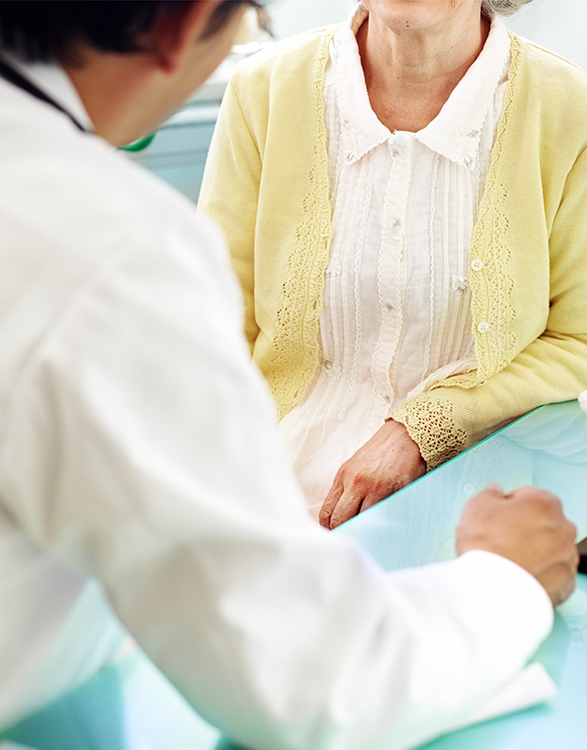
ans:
(140, 447)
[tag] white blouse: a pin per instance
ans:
(396, 306)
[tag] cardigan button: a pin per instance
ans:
(483, 327)
(477, 264)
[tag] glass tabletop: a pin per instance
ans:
(547, 448)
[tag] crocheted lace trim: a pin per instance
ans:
(430, 424)
(491, 289)
(295, 347)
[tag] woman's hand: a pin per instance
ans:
(385, 464)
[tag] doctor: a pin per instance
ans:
(137, 445)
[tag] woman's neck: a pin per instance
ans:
(411, 72)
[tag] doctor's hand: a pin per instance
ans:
(385, 464)
(528, 527)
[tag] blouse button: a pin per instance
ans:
(333, 371)
(459, 284)
(477, 264)
(393, 232)
(334, 269)
(483, 327)
(398, 145)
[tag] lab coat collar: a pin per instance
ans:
(455, 132)
(54, 81)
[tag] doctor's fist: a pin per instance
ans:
(528, 527)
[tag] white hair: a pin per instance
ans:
(503, 7)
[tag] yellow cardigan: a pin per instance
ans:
(266, 183)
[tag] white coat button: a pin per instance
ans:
(477, 264)
(483, 327)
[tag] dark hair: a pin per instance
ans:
(41, 30)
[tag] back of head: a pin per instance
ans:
(43, 30)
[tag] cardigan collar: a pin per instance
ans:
(455, 132)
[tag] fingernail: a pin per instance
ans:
(495, 486)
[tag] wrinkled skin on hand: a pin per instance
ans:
(528, 527)
(387, 462)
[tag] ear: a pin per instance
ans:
(173, 36)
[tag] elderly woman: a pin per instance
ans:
(405, 201)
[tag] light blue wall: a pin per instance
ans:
(294, 16)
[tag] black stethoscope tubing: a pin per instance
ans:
(8, 73)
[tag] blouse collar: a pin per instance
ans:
(455, 132)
